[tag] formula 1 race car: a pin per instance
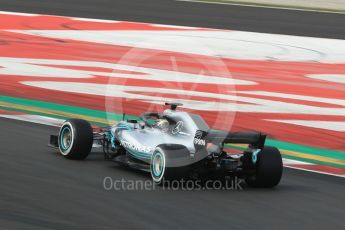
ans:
(172, 145)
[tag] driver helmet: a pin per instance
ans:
(163, 124)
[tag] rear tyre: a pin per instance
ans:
(160, 172)
(75, 139)
(268, 169)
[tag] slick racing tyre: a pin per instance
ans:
(75, 139)
(268, 167)
(159, 166)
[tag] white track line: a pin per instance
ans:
(95, 20)
(37, 119)
(57, 122)
(18, 13)
(264, 6)
(314, 171)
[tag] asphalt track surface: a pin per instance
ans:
(41, 190)
(191, 14)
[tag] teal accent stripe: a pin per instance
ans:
(139, 154)
(41, 108)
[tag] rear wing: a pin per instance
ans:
(254, 139)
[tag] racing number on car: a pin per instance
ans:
(199, 138)
(199, 141)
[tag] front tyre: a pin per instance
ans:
(75, 139)
(268, 169)
(159, 166)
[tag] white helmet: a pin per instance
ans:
(163, 124)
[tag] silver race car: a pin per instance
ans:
(172, 145)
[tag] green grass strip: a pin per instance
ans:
(54, 109)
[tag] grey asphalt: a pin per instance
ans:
(41, 190)
(191, 14)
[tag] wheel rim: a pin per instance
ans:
(157, 166)
(66, 139)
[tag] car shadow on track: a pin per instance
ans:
(128, 173)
